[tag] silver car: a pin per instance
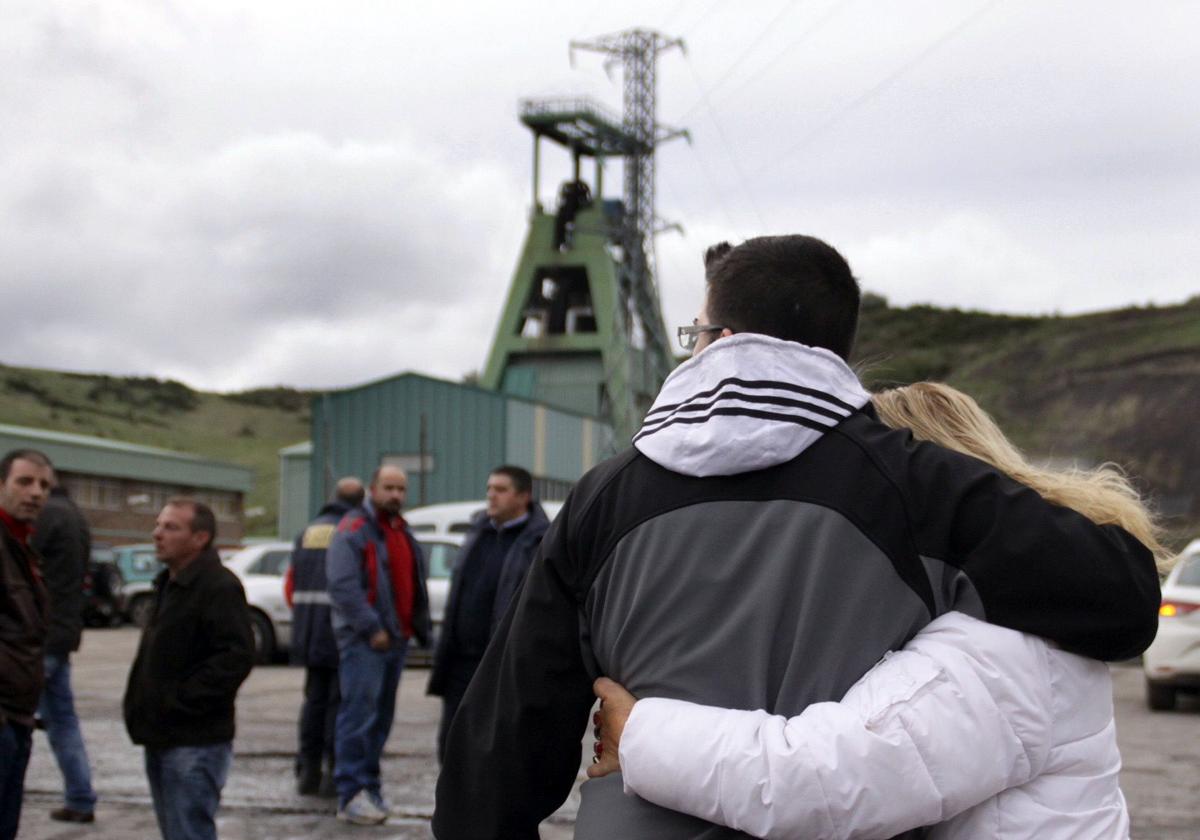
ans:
(1172, 662)
(261, 568)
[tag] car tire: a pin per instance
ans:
(141, 609)
(1159, 696)
(264, 638)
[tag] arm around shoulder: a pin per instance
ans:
(886, 759)
(1037, 567)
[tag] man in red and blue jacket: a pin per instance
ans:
(376, 577)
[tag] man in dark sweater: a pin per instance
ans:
(62, 538)
(487, 574)
(194, 655)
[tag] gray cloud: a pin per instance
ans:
(239, 194)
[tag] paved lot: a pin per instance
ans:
(1161, 754)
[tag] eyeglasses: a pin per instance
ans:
(689, 334)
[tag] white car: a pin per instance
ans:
(1172, 662)
(440, 551)
(261, 568)
(455, 517)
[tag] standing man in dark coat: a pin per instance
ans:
(63, 540)
(313, 645)
(194, 654)
(487, 574)
(25, 479)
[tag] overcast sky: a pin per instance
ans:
(317, 194)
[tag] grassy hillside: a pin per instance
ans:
(246, 429)
(1121, 386)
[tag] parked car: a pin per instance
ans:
(1172, 662)
(103, 602)
(442, 519)
(440, 551)
(139, 567)
(261, 568)
(455, 517)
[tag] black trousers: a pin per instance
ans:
(458, 677)
(317, 716)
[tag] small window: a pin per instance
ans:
(410, 462)
(459, 527)
(144, 563)
(272, 563)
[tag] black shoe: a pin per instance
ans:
(308, 780)
(71, 815)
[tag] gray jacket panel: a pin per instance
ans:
(760, 607)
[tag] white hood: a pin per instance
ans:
(747, 402)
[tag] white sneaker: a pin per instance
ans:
(360, 810)
(379, 802)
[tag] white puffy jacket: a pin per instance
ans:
(977, 730)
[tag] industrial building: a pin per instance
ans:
(446, 436)
(121, 487)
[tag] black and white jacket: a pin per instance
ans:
(763, 544)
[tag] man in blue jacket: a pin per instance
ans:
(376, 575)
(487, 574)
(312, 639)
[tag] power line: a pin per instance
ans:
(703, 17)
(804, 36)
(737, 167)
(887, 82)
(587, 21)
(725, 76)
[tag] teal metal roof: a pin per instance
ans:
(120, 459)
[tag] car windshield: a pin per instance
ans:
(271, 563)
(1189, 575)
(440, 556)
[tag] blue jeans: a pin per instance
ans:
(185, 784)
(15, 741)
(57, 711)
(369, 680)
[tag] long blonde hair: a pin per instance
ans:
(948, 417)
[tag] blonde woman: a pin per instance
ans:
(974, 729)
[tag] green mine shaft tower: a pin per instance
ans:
(582, 327)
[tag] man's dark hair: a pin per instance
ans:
(14, 455)
(202, 517)
(521, 479)
(792, 287)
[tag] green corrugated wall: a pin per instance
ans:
(469, 430)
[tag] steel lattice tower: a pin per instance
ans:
(637, 50)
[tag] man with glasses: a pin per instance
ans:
(689, 337)
(762, 545)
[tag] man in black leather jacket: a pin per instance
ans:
(193, 656)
